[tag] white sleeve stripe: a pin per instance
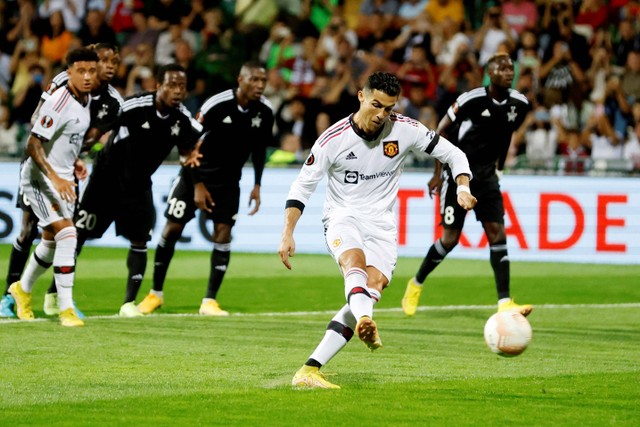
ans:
(216, 99)
(266, 102)
(116, 95)
(517, 95)
(137, 103)
(467, 96)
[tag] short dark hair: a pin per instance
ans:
(384, 82)
(252, 65)
(81, 54)
(103, 45)
(496, 57)
(165, 69)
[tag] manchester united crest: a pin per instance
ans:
(390, 148)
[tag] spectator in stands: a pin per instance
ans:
(520, 15)
(26, 98)
(21, 28)
(561, 28)
(140, 79)
(415, 33)
(630, 80)
(56, 39)
(599, 135)
(164, 12)
(418, 71)
(142, 34)
(539, 137)
(617, 108)
(631, 149)
(449, 42)
(494, 31)
(295, 126)
(562, 76)
(410, 10)
(575, 157)
(72, 12)
(385, 9)
(166, 47)
(24, 57)
(598, 72)
(628, 40)
(196, 81)
(8, 132)
(439, 11)
(334, 39)
(379, 32)
(96, 30)
(303, 67)
(593, 13)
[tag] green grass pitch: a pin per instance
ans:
(177, 368)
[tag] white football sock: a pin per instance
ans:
(357, 293)
(64, 264)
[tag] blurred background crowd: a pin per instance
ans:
(578, 63)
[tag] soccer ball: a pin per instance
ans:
(507, 333)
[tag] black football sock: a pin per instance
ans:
(436, 254)
(219, 263)
(136, 263)
(500, 264)
(164, 254)
(17, 261)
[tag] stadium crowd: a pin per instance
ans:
(578, 63)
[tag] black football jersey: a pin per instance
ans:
(231, 135)
(484, 127)
(105, 108)
(145, 138)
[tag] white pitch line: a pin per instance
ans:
(381, 310)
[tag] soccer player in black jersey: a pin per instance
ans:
(484, 119)
(105, 109)
(119, 188)
(237, 123)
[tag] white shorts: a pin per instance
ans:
(378, 239)
(45, 200)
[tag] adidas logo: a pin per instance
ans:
(145, 125)
(221, 267)
(227, 120)
(137, 277)
(486, 113)
(351, 156)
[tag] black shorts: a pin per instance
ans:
(181, 207)
(490, 207)
(102, 203)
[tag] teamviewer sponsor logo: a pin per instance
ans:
(351, 177)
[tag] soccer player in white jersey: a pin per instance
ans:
(47, 182)
(362, 156)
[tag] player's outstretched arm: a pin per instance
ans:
(191, 158)
(465, 198)
(287, 243)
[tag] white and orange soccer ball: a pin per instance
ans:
(507, 333)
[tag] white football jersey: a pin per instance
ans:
(364, 175)
(61, 124)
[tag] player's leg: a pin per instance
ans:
(219, 262)
(179, 211)
(224, 212)
(18, 258)
(499, 258)
(135, 220)
(64, 267)
(490, 212)
(164, 253)
(453, 217)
